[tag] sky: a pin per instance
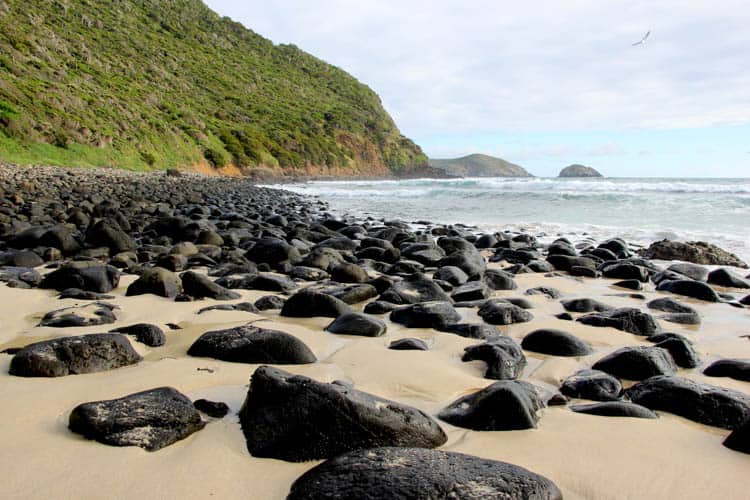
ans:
(543, 83)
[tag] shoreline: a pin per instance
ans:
(586, 456)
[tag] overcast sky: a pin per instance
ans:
(543, 83)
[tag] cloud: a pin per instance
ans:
(484, 66)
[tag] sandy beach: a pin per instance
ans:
(586, 456)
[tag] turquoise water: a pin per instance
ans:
(639, 209)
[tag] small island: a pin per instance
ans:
(577, 170)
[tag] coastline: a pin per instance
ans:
(586, 456)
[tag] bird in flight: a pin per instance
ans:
(642, 40)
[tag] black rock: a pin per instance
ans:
(347, 272)
(414, 289)
(564, 316)
(150, 419)
(356, 323)
(637, 363)
(504, 358)
(401, 473)
(625, 271)
(692, 271)
(308, 304)
(380, 307)
(678, 312)
(97, 313)
(326, 420)
(499, 280)
(552, 293)
(73, 356)
(215, 409)
(503, 313)
(20, 277)
(583, 271)
(615, 409)
(555, 343)
(409, 344)
(592, 384)
(690, 288)
(702, 403)
(305, 273)
(738, 369)
(566, 263)
(629, 284)
(472, 331)
(739, 439)
(562, 247)
(627, 319)
(200, 286)
(78, 294)
(726, 278)
(20, 258)
(584, 305)
(249, 344)
(273, 251)
(157, 281)
(86, 275)
(349, 294)
(680, 348)
(503, 406)
(268, 302)
(145, 333)
(240, 306)
(473, 290)
(108, 233)
(426, 315)
(452, 275)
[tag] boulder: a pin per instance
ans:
(472, 331)
(738, 369)
(739, 439)
(627, 319)
(252, 345)
(677, 312)
(97, 313)
(503, 313)
(595, 385)
(629, 284)
(615, 409)
(625, 271)
(473, 290)
(426, 315)
(696, 252)
(150, 419)
(726, 278)
(692, 271)
(379, 307)
(702, 403)
(356, 323)
(145, 333)
(349, 294)
(552, 293)
(555, 343)
(409, 344)
(679, 347)
(452, 275)
(200, 286)
(269, 302)
(215, 409)
(637, 363)
(414, 289)
(347, 272)
(240, 306)
(273, 251)
(503, 406)
(108, 233)
(156, 281)
(689, 288)
(308, 304)
(327, 419)
(73, 356)
(418, 473)
(584, 305)
(499, 280)
(85, 275)
(504, 358)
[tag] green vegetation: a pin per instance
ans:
(147, 84)
(478, 165)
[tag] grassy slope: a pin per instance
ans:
(162, 83)
(478, 165)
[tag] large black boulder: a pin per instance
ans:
(693, 271)
(85, 275)
(473, 290)
(436, 315)
(595, 385)
(637, 363)
(150, 419)
(738, 369)
(627, 319)
(273, 251)
(156, 281)
(726, 278)
(452, 275)
(249, 344)
(200, 286)
(309, 303)
(625, 271)
(679, 347)
(97, 313)
(702, 403)
(689, 288)
(295, 418)
(555, 343)
(615, 409)
(414, 289)
(739, 439)
(108, 233)
(499, 280)
(145, 333)
(73, 356)
(401, 473)
(504, 358)
(356, 323)
(503, 313)
(676, 311)
(409, 344)
(584, 305)
(503, 406)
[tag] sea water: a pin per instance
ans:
(640, 210)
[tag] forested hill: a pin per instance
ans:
(169, 83)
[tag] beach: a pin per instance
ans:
(585, 456)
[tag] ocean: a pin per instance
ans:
(640, 210)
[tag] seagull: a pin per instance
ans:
(642, 40)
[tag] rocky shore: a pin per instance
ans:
(255, 344)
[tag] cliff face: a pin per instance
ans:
(579, 171)
(478, 165)
(156, 84)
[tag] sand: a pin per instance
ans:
(586, 456)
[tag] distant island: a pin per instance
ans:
(479, 165)
(577, 170)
